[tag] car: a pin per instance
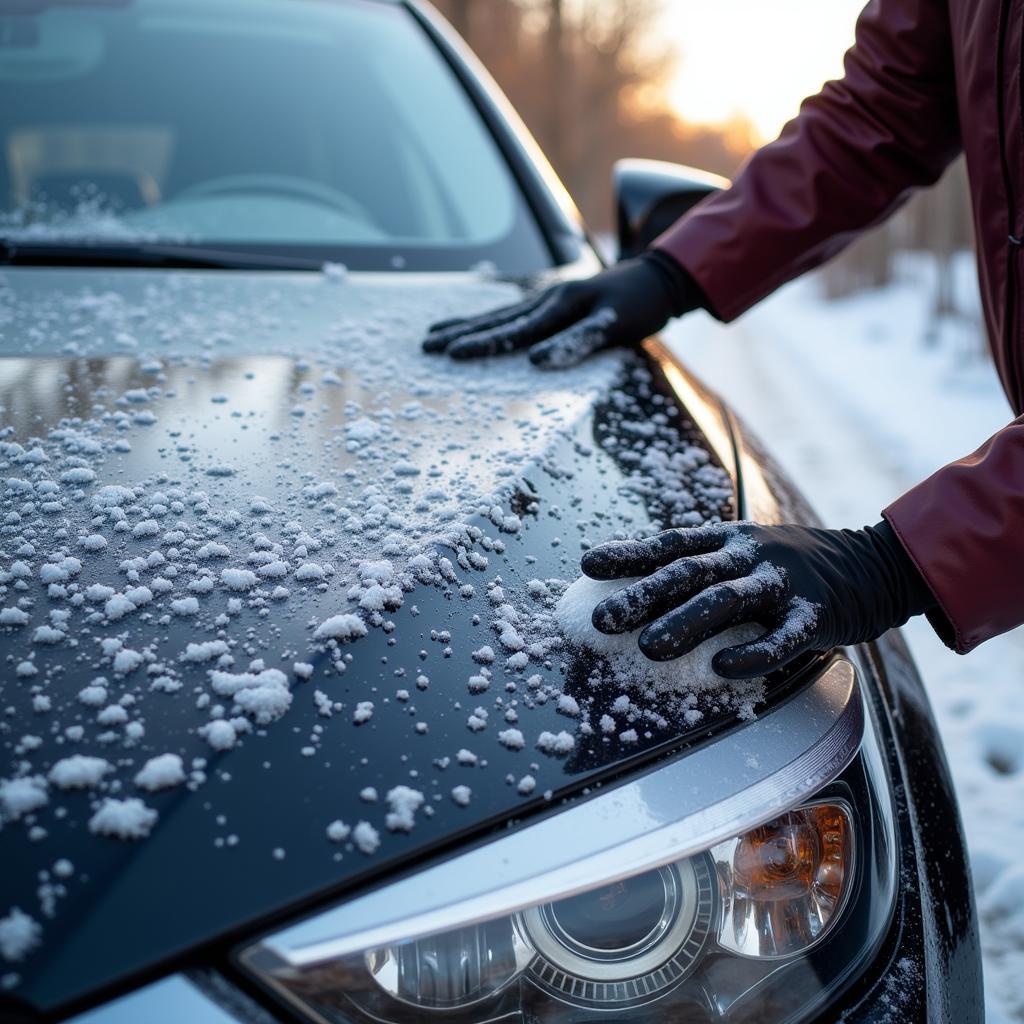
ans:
(301, 721)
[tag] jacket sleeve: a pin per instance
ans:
(852, 154)
(964, 529)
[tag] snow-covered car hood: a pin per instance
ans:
(278, 598)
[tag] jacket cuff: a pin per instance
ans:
(962, 527)
(937, 616)
(706, 251)
(684, 293)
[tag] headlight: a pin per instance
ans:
(625, 943)
(766, 925)
(785, 882)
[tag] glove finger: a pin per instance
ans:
(755, 598)
(575, 343)
(618, 559)
(444, 332)
(794, 635)
(648, 599)
(441, 326)
(558, 309)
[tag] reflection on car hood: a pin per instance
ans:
(215, 484)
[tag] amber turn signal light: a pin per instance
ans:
(784, 884)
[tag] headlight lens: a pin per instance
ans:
(784, 883)
(624, 943)
(760, 901)
(451, 970)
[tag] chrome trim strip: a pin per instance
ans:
(730, 785)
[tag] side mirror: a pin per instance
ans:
(650, 195)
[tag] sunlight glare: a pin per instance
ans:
(754, 60)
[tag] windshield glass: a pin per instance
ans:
(329, 129)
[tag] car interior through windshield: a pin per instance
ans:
(326, 129)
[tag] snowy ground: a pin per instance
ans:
(858, 405)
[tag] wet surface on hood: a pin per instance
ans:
(300, 577)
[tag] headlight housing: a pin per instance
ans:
(765, 925)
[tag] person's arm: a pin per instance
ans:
(854, 153)
(810, 589)
(951, 548)
(571, 321)
(856, 149)
(964, 529)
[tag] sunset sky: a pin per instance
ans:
(754, 58)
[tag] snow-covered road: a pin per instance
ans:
(858, 407)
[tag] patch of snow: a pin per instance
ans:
(341, 627)
(366, 837)
(94, 695)
(403, 802)
(264, 696)
(48, 635)
(527, 784)
(118, 607)
(557, 744)
(79, 771)
(126, 661)
(22, 796)
(185, 606)
(568, 706)
(338, 831)
(219, 734)
(123, 819)
(19, 935)
(484, 655)
(238, 579)
(512, 738)
(161, 772)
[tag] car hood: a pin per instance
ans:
(263, 466)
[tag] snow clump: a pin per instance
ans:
(123, 819)
(79, 771)
(19, 935)
(403, 802)
(264, 695)
(21, 796)
(341, 627)
(161, 772)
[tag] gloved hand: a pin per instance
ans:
(563, 325)
(812, 589)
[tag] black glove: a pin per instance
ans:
(812, 589)
(570, 321)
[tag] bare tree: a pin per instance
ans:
(940, 224)
(556, 62)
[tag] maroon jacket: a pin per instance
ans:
(925, 80)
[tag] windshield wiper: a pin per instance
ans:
(15, 252)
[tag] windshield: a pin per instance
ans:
(329, 129)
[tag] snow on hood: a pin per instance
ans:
(217, 489)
